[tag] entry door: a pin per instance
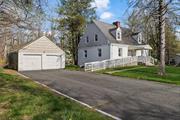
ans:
(52, 62)
(32, 62)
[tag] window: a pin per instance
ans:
(85, 53)
(96, 37)
(120, 52)
(140, 38)
(87, 39)
(99, 52)
(118, 36)
(130, 53)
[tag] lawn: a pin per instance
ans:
(73, 67)
(22, 99)
(147, 73)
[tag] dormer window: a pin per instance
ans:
(96, 37)
(118, 34)
(140, 38)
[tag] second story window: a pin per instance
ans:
(85, 53)
(87, 39)
(120, 52)
(140, 38)
(96, 37)
(99, 52)
(118, 36)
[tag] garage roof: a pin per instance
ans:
(43, 44)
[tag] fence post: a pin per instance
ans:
(92, 67)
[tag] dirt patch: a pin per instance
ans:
(2, 62)
(4, 107)
(9, 71)
(25, 117)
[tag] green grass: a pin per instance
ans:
(73, 67)
(1, 69)
(22, 99)
(115, 69)
(147, 73)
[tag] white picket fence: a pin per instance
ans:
(128, 61)
(99, 65)
(147, 60)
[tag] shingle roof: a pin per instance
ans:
(127, 36)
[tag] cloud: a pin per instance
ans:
(106, 15)
(100, 4)
(102, 8)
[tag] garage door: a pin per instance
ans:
(52, 62)
(32, 62)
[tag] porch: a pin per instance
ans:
(139, 50)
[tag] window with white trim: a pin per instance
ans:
(87, 39)
(85, 53)
(96, 37)
(99, 52)
(118, 35)
(120, 52)
(140, 38)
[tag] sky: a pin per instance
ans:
(107, 10)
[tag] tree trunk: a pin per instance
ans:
(75, 48)
(162, 37)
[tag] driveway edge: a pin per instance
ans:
(82, 103)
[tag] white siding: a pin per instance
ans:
(138, 52)
(92, 54)
(177, 59)
(114, 51)
(142, 52)
(91, 30)
(52, 57)
(42, 45)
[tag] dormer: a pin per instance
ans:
(118, 34)
(140, 38)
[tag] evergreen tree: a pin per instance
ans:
(73, 17)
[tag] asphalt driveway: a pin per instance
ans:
(126, 98)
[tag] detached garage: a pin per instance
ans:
(41, 54)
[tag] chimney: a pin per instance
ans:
(117, 24)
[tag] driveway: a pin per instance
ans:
(126, 98)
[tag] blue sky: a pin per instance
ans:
(107, 10)
(112, 10)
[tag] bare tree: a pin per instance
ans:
(22, 19)
(158, 11)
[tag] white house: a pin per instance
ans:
(177, 59)
(103, 41)
(40, 54)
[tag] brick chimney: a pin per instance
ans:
(117, 24)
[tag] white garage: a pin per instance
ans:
(41, 54)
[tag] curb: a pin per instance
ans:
(82, 103)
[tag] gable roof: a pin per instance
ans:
(41, 44)
(128, 37)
